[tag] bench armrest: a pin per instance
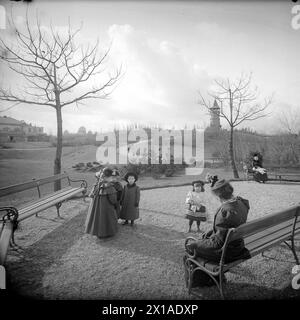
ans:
(187, 240)
(83, 182)
(225, 245)
(11, 214)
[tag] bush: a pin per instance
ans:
(169, 172)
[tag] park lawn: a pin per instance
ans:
(18, 166)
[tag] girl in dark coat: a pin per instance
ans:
(232, 213)
(101, 219)
(130, 199)
(119, 188)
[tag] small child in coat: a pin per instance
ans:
(130, 199)
(196, 207)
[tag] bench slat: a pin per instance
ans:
(32, 204)
(17, 188)
(52, 178)
(272, 230)
(30, 184)
(262, 223)
(50, 204)
(281, 234)
(265, 246)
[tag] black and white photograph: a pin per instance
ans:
(150, 151)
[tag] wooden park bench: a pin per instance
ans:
(10, 216)
(259, 235)
(279, 176)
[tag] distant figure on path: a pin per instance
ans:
(130, 199)
(259, 173)
(196, 208)
(102, 219)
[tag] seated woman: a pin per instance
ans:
(232, 213)
(259, 173)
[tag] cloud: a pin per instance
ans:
(160, 83)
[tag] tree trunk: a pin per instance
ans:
(231, 153)
(57, 161)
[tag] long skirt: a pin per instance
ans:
(260, 177)
(101, 219)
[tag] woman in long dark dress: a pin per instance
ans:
(102, 219)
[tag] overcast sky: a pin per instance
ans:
(169, 50)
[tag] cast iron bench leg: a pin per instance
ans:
(58, 205)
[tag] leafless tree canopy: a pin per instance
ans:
(237, 100)
(52, 65)
(289, 120)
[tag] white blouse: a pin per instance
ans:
(196, 199)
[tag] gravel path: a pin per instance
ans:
(144, 262)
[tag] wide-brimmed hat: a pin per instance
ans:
(220, 184)
(198, 182)
(128, 174)
(106, 172)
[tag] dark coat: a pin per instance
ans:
(119, 188)
(130, 202)
(230, 214)
(257, 163)
(101, 219)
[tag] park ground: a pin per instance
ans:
(59, 261)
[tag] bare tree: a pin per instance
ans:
(238, 103)
(52, 67)
(289, 120)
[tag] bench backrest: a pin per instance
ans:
(31, 184)
(268, 224)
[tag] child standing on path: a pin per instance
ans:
(102, 219)
(196, 207)
(130, 199)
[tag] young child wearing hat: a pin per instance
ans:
(196, 207)
(130, 199)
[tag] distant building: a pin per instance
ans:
(12, 130)
(82, 131)
(215, 125)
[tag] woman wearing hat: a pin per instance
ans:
(259, 173)
(130, 199)
(232, 213)
(101, 219)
